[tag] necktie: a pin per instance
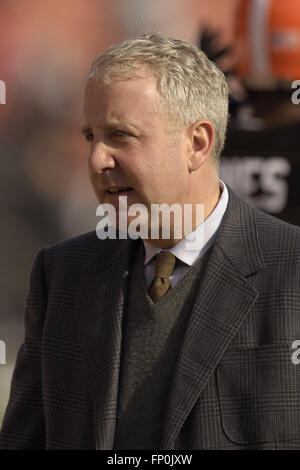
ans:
(165, 262)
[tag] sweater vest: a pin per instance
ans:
(151, 339)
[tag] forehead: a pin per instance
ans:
(131, 100)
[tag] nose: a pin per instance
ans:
(101, 158)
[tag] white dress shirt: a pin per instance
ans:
(206, 232)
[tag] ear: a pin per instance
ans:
(201, 138)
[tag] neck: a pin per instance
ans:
(193, 212)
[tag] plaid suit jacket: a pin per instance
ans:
(234, 385)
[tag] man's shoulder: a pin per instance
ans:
(271, 231)
(274, 232)
(78, 250)
(83, 241)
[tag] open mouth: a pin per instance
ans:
(119, 190)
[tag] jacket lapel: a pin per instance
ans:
(100, 308)
(223, 300)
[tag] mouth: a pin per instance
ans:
(119, 190)
(113, 194)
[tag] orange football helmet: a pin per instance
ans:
(267, 39)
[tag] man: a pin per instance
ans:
(146, 343)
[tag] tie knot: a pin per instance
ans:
(165, 262)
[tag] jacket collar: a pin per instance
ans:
(238, 236)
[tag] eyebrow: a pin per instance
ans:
(118, 125)
(85, 129)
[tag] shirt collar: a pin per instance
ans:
(209, 226)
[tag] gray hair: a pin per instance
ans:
(191, 87)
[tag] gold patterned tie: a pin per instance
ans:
(165, 262)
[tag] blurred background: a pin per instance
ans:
(46, 49)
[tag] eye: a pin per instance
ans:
(89, 136)
(120, 133)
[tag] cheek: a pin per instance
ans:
(153, 168)
(92, 175)
(138, 163)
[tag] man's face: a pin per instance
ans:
(130, 146)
